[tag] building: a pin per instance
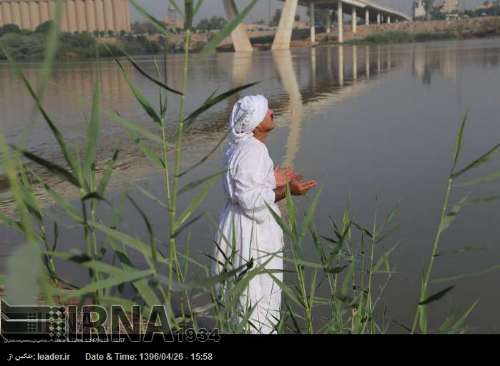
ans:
(448, 6)
(487, 5)
(78, 15)
(419, 9)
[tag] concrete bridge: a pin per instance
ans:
(368, 11)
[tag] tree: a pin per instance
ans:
(44, 27)
(428, 6)
(9, 28)
(213, 23)
(144, 27)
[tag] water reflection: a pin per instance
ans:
(349, 116)
(283, 61)
(71, 87)
(428, 60)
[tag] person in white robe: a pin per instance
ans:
(253, 186)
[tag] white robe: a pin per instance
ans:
(249, 184)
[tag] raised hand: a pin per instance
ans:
(300, 187)
(284, 176)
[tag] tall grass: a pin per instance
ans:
(350, 264)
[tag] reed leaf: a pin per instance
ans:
(160, 26)
(51, 44)
(452, 214)
(92, 132)
(123, 238)
(208, 179)
(108, 171)
(206, 157)
(227, 30)
(456, 326)
(437, 296)
(53, 128)
(195, 203)
(212, 101)
(311, 210)
(184, 226)
(10, 222)
(139, 96)
(152, 156)
(125, 277)
(466, 275)
(197, 7)
(151, 196)
(478, 162)
(484, 179)
(188, 14)
(52, 167)
(459, 142)
(149, 77)
(280, 221)
(177, 7)
(131, 126)
(64, 204)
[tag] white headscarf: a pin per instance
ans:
(248, 113)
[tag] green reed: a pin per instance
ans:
(349, 264)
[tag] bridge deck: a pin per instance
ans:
(358, 4)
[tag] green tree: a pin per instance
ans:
(9, 28)
(213, 23)
(44, 27)
(144, 27)
(428, 6)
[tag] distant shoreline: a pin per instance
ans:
(29, 46)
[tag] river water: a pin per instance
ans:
(374, 125)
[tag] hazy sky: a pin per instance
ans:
(261, 10)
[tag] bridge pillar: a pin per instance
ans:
(367, 62)
(312, 22)
(367, 16)
(239, 36)
(388, 19)
(340, 21)
(284, 32)
(341, 65)
(354, 20)
(378, 18)
(354, 62)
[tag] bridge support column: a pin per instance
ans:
(378, 18)
(241, 42)
(388, 19)
(354, 62)
(284, 32)
(354, 20)
(367, 62)
(341, 65)
(367, 17)
(340, 22)
(312, 22)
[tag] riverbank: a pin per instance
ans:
(419, 31)
(26, 45)
(30, 46)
